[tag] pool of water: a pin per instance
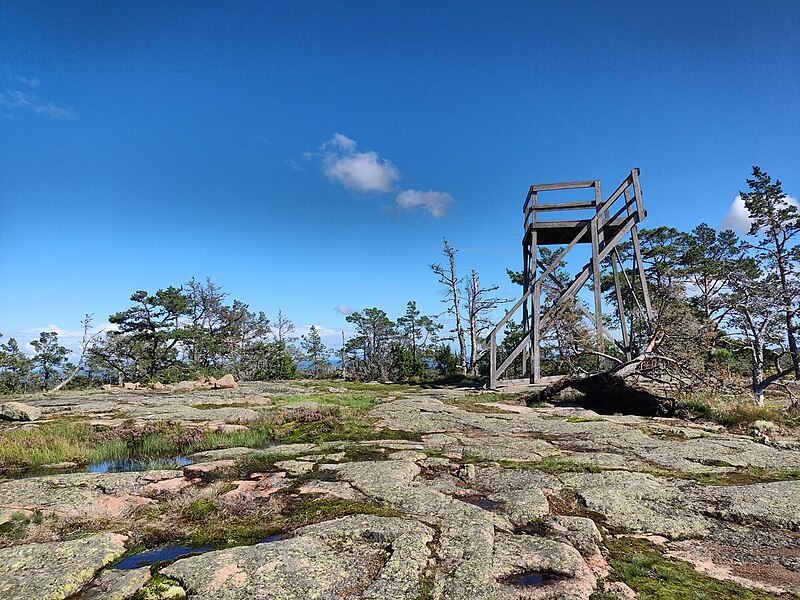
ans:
(480, 501)
(149, 557)
(146, 558)
(136, 464)
(531, 578)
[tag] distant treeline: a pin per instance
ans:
(726, 313)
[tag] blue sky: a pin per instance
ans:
(143, 143)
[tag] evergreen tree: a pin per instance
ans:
(15, 368)
(371, 345)
(315, 352)
(776, 223)
(49, 358)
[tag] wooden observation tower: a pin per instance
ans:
(611, 221)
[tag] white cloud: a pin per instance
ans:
(30, 82)
(738, 217)
(344, 310)
(435, 203)
(28, 99)
(359, 171)
(54, 111)
(15, 99)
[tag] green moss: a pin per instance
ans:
(229, 531)
(643, 566)
(583, 419)
(747, 476)
(324, 509)
(212, 405)
(363, 454)
(357, 401)
(552, 466)
(200, 509)
(155, 588)
(258, 463)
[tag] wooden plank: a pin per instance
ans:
(565, 206)
(566, 185)
(505, 319)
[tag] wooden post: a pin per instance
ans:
(598, 300)
(637, 191)
(620, 306)
(535, 304)
(536, 348)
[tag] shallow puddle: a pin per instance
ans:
(480, 501)
(134, 464)
(146, 558)
(528, 578)
(149, 557)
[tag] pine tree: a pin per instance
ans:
(777, 223)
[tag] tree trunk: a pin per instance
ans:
(758, 373)
(787, 301)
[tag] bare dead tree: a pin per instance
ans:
(343, 353)
(447, 277)
(478, 303)
(86, 342)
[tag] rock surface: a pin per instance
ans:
(359, 556)
(55, 570)
(114, 584)
(483, 501)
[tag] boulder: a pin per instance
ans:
(226, 382)
(17, 411)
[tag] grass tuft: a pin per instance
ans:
(643, 566)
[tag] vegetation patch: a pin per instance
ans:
(155, 588)
(306, 512)
(200, 509)
(734, 413)
(69, 441)
(747, 476)
(568, 504)
(258, 463)
(359, 386)
(357, 401)
(552, 466)
(363, 453)
(643, 566)
(17, 527)
(212, 405)
(583, 419)
(53, 442)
